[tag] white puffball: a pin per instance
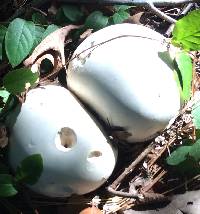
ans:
(76, 156)
(124, 79)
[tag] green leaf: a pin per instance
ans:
(121, 7)
(184, 64)
(196, 114)
(195, 151)
(119, 17)
(186, 32)
(191, 150)
(4, 95)
(50, 29)
(39, 31)
(72, 13)
(18, 80)
(96, 21)
(6, 186)
(185, 159)
(30, 169)
(2, 35)
(8, 107)
(189, 167)
(38, 18)
(179, 155)
(19, 40)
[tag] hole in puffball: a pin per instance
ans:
(94, 155)
(46, 67)
(65, 139)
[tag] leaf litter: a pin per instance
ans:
(54, 41)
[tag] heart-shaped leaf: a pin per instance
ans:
(96, 21)
(19, 40)
(186, 32)
(179, 155)
(119, 17)
(30, 169)
(18, 80)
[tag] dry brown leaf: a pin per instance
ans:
(85, 34)
(54, 41)
(135, 19)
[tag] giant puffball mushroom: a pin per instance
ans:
(126, 75)
(76, 156)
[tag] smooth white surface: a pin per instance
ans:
(34, 129)
(124, 80)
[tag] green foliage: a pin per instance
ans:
(28, 172)
(186, 33)
(30, 169)
(7, 188)
(184, 73)
(119, 17)
(11, 102)
(96, 21)
(4, 95)
(186, 158)
(18, 80)
(72, 13)
(19, 40)
(39, 33)
(196, 114)
(120, 14)
(2, 35)
(122, 7)
(50, 29)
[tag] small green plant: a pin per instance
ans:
(186, 35)
(28, 172)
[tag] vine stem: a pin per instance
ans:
(131, 167)
(159, 13)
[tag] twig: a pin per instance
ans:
(128, 170)
(148, 187)
(159, 13)
(182, 184)
(162, 151)
(135, 195)
(152, 198)
(184, 12)
(39, 11)
(20, 11)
